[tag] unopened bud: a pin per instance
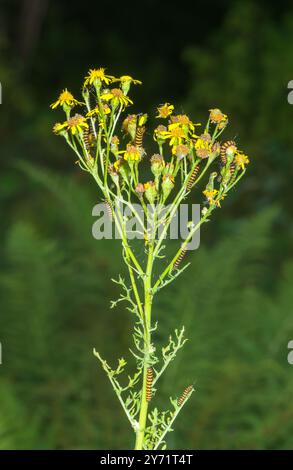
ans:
(157, 164)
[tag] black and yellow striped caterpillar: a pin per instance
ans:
(224, 147)
(179, 259)
(184, 395)
(109, 209)
(232, 168)
(192, 178)
(139, 133)
(149, 383)
(86, 138)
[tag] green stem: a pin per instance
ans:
(147, 347)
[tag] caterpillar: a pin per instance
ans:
(232, 168)
(139, 133)
(86, 138)
(224, 147)
(149, 383)
(109, 209)
(179, 259)
(192, 178)
(184, 395)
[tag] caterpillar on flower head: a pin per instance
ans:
(149, 383)
(230, 144)
(184, 395)
(140, 130)
(192, 178)
(224, 148)
(179, 259)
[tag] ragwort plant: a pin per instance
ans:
(113, 155)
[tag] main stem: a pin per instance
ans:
(147, 346)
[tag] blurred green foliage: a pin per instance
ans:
(234, 300)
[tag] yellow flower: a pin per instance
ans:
(184, 121)
(117, 165)
(221, 199)
(180, 151)
(117, 97)
(97, 76)
(165, 110)
(132, 153)
(175, 133)
(75, 124)
(203, 146)
(127, 78)
(97, 111)
(241, 159)
(217, 117)
(58, 128)
(126, 81)
(159, 134)
(65, 98)
(210, 195)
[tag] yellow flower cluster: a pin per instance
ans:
(94, 135)
(179, 131)
(108, 100)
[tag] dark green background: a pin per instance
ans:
(236, 298)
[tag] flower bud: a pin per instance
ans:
(159, 135)
(122, 168)
(150, 191)
(167, 184)
(169, 169)
(125, 84)
(140, 189)
(129, 125)
(216, 149)
(216, 116)
(157, 164)
(114, 144)
(113, 172)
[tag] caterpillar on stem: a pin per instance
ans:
(192, 178)
(179, 259)
(149, 383)
(184, 395)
